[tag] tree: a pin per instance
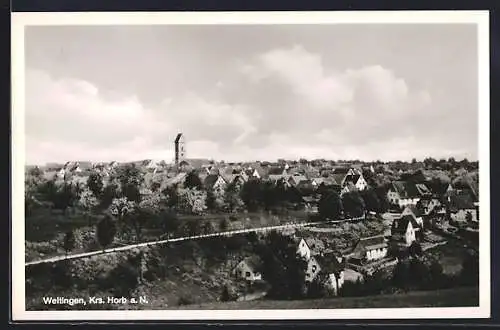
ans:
(130, 179)
(400, 275)
(330, 205)
(95, 184)
(193, 181)
(371, 200)
(109, 193)
(88, 202)
(66, 195)
(192, 201)
(281, 268)
(69, 241)
(353, 204)
(231, 198)
(251, 194)
(172, 196)
(106, 230)
(211, 200)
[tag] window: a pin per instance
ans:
(314, 268)
(247, 274)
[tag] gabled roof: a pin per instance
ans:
(210, 180)
(416, 211)
(298, 178)
(399, 225)
(406, 189)
(367, 243)
(338, 178)
(352, 178)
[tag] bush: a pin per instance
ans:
(184, 300)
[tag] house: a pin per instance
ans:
(248, 269)
(303, 250)
(403, 193)
(461, 208)
(295, 179)
(312, 270)
(415, 213)
(349, 187)
(252, 173)
(427, 205)
(277, 173)
(403, 230)
(215, 183)
(370, 249)
(358, 180)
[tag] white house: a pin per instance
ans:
(403, 230)
(312, 270)
(215, 183)
(370, 248)
(462, 208)
(403, 193)
(248, 269)
(303, 250)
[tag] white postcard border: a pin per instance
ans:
(20, 20)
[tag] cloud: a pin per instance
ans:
(281, 103)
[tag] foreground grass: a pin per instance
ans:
(457, 297)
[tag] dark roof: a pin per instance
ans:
(338, 178)
(415, 210)
(461, 201)
(367, 242)
(178, 137)
(406, 189)
(399, 225)
(353, 178)
(276, 170)
(341, 170)
(210, 180)
(329, 263)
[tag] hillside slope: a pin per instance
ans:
(457, 297)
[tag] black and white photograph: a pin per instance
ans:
(259, 165)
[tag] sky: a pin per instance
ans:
(251, 92)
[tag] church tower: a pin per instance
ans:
(180, 148)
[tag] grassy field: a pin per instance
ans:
(458, 297)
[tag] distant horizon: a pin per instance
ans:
(254, 160)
